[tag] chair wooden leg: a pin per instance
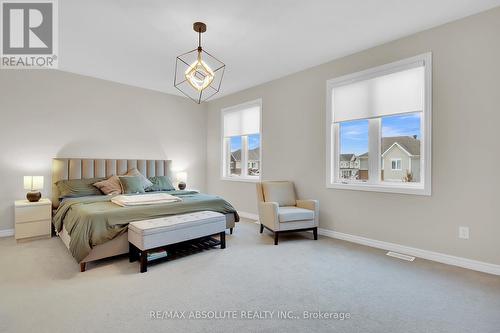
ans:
(276, 237)
(82, 266)
(315, 233)
(231, 231)
(261, 228)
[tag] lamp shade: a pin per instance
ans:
(182, 176)
(33, 183)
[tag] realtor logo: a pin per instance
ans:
(29, 34)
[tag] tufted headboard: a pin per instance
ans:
(72, 168)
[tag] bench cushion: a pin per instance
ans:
(148, 234)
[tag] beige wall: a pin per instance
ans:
(466, 118)
(46, 114)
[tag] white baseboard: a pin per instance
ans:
(424, 254)
(249, 215)
(6, 232)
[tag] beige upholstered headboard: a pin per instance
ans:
(72, 168)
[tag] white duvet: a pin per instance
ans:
(144, 199)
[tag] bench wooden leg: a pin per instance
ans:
(315, 233)
(133, 253)
(144, 261)
(83, 266)
(222, 236)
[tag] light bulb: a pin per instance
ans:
(199, 74)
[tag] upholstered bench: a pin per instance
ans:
(152, 235)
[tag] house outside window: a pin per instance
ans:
(379, 128)
(241, 142)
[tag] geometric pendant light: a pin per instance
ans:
(198, 74)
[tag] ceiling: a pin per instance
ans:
(136, 42)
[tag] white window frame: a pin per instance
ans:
(400, 164)
(374, 182)
(225, 174)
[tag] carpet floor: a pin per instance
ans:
(251, 286)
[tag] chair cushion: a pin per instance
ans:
(280, 192)
(291, 213)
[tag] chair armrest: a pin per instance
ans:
(268, 214)
(311, 205)
(307, 204)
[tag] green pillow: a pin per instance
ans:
(131, 184)
(160, 183)
(78, 187)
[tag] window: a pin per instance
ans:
(396, 164)
(241, 142)
(379, 128)
(400, 144)
(353, 158)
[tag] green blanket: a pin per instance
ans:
(94, 220)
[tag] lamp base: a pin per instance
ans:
(182, 186)
(199, 27)
(33, 196)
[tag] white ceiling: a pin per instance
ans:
(136, 42)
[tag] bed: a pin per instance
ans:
(93, 228)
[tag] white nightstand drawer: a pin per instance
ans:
(33, 229)
(32, 213)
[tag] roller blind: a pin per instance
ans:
(391, 94)
(242, 121)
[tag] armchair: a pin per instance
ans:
(280, 211)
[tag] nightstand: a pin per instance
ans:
(33, 219)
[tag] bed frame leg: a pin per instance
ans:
(82, 266)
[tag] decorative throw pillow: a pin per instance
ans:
(144, 181)
(131, 184)
(111, 185)
(281, 192)
(77, 187)
(160, 183)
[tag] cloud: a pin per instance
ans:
(400, 131)
(410, 116)
(354, 130)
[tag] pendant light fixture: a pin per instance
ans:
(198, 74)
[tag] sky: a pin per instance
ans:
(354, 134)
(253, 142)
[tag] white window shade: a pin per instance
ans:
(242, 122)
(395, 93)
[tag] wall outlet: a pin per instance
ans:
(463, 232)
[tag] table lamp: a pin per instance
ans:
(33, 184)
(181, 178)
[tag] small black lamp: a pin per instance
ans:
(33, 184)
